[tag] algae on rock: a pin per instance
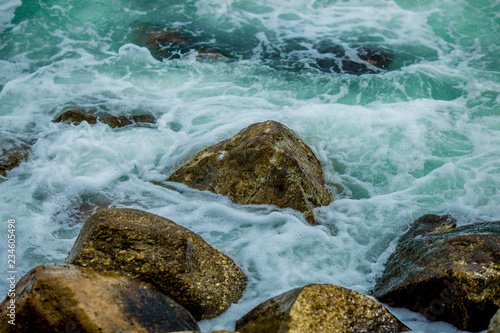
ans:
(68, 298)
(320, 308)
(265, 163)
(150, 248)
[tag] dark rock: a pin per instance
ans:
(153, 249)
(165, 44)
(70, 298)
(210, 54)
(265, 163)
(376, 57)
(320, 308)
(77, 115)
(372, 59)
(494, 326)
(446, 273)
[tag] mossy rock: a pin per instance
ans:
(265, 163)
(68, 298)
(446, 273)
(320, 308)
(153, 249)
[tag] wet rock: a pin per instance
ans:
(218, 331)
(320, 308)
(446, 273)
(70, 298)
(334, 59)
(10, 159)
(494, 326)
(153, 249)
(265, 163)
(77, 115)
(165, 43)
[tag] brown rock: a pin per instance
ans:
(69, 298)
(154, 37)
(265, 163)
(77, 115)
(320, 308)
(10, 159)
(153, 249)
(446, 273)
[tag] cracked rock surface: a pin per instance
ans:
(265, 163)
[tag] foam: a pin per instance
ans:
(421, 138)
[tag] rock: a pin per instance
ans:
(77, 115)
(165, 43)
(333, 58)
(10, 159)
(153, 249)
(67, 298)
(446, 273)
(320, 308)
(494, 326)
(265, 163)
(218, 331)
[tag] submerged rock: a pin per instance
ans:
(153, 249)
(70, 298)
(10, 159)
(77, 115)
(265, 163)
(320, 308)
(446, 273)
(166, 43)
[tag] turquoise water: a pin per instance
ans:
(422, 136)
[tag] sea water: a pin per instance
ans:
(421, 137)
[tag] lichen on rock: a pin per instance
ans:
(265, 163)
(319, 308)
(153, 249)
(446, 273)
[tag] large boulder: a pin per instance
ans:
(265, 163)
(320, 308)
(10, 159)
(70, 298)
(150, 248)
(77, 115)
(446, 273)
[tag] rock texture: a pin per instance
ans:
(75, 299)
(10, 159)
(446, 273)
(265, 163)
(494, 326)
(150, 248)
(77, 115)
(319, 308)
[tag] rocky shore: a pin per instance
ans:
(125, 261)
